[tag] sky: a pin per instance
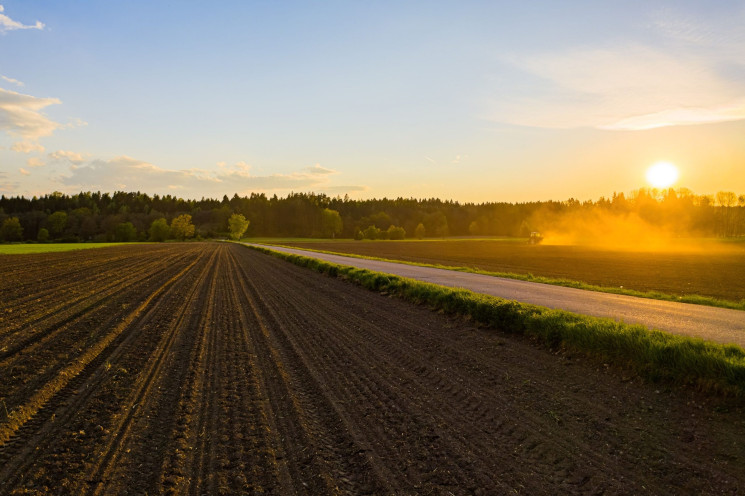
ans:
(469, 101)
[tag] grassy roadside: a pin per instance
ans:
(655, 355)
(27, 249)
(654, 295)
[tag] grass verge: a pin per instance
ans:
(654, 295)
(655, 355)
(26, 249)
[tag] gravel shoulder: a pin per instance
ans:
(715, 324)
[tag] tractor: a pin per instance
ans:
(535, 238)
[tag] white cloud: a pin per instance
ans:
(20, 115)
(35, 162)
(458, 159)
(77, 122)
(630, 87)
(682, 116)
(684, 67)
(11, 80)
(242, 166)
(8, 24)
(127, 173)
(27, 147)
(23, 171)
(7, 187)
(319, 171)
(64, 155)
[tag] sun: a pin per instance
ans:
(662, 175)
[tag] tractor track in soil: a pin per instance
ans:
(208, 368)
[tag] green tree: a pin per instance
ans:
(371, 232)
(419, 231)
(11, 230)
(181, 227)
(57, 222)
(237, 224)
(395, 232)
(331, 223)
(159, 230)
(437, 224)
(43, 235)
(125, 232)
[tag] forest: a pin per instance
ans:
(128, 216)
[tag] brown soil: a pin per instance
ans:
(717, 271)
(213, 369)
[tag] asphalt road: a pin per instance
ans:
(716, 324)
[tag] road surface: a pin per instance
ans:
(716, 324)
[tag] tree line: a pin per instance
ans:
(127, 216)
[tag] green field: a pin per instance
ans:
(26, 249)
(709, 272)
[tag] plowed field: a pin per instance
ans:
(718, 271)
(212, 369)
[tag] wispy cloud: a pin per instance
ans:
(686, 71)
(24, 171)
(631, 87)
(21, 115)
(682, 117)
(68, 156)
(11, 80)
(132, 174)
(27, 147)
(35, 162)
(8, 24)
(317, 170)
(458, 159)
(7, 187)
(724, 33)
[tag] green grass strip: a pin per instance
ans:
(28, 249)
(655, 355)
(653, 295)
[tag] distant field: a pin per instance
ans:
(24, 249)
(717, 272)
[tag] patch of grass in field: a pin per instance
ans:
(26, 249)
(655, 355)
(449, 239)
(656, 295)
(270, 241)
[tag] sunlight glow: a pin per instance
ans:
(662, 175)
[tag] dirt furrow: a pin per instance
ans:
(91, 394)
(61, 305)
(22, 413)
(499, 408)
(408, 369)
(348, 367)
(66, 276)
(145, 402)
(230, 372)
(33, 365)
(330, 462)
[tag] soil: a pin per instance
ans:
(208, 368)
(717, 271)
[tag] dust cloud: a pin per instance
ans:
(625, 231)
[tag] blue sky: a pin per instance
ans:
(472, 101)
